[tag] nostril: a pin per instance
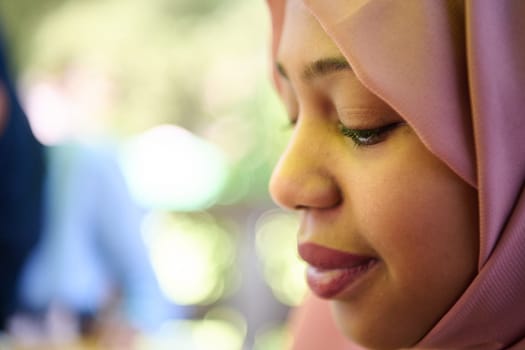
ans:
(306, 190)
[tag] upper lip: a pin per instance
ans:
(328, 258)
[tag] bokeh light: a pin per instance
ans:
(183, 88)
(169, 168)
(204, 334)
(192, 255)
(273, 337)
(277, 249)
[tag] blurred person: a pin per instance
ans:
(72, 260)
(22, 168)
(91, 266)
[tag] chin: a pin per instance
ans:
(372, 332)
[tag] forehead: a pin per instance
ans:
(303, 40)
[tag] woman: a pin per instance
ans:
(407, 163)
(69, 237)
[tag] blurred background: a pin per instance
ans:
(179, 92)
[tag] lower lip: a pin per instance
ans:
(329, 283)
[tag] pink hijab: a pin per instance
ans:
(455, 70)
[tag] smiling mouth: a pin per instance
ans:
(332, 271)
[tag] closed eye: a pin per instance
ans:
(368, 137)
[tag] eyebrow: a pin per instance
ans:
(319, 68)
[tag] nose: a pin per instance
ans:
(302, 178)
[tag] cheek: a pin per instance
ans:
(421, 219)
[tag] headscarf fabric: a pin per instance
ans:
(455, 71)
(21, 183)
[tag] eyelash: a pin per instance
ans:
(368, 137)
(373, 135)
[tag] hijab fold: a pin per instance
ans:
(455, 71)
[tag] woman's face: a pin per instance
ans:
(366, 185)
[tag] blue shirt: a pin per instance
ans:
(91, 241)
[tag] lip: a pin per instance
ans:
(332, 271)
